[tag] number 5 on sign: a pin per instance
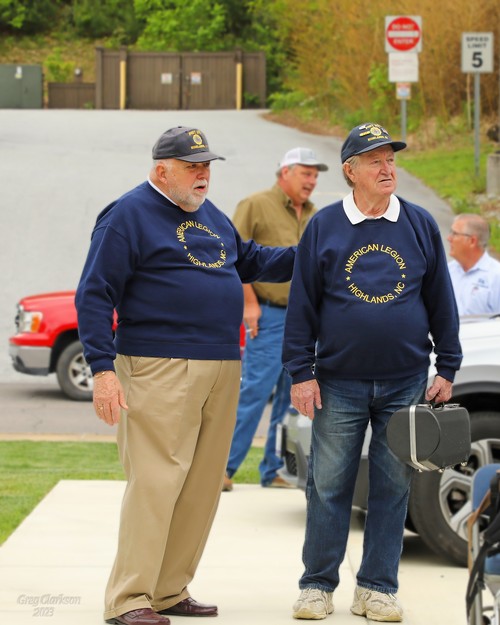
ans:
(477, 52)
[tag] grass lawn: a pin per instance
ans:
(30, 469)
(450, 171)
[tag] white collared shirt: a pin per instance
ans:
(477, 291)
(355, 216)
(161, 192)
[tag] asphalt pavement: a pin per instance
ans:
(36, 408)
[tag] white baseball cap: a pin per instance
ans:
(302, 156)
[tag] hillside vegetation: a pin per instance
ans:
(327, 56)
(327, 68)
(338, 58)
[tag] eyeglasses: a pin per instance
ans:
(453, 233)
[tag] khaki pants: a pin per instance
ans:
(174, 442)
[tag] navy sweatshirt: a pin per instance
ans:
(173, 277)
(371, 300)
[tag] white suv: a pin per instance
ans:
(439, 502)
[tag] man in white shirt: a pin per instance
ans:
(474, 273)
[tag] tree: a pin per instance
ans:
(106, 18)
(177, 25)
(335, 56)
(28, 16)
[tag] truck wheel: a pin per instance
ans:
(74, 374)
(440, 502)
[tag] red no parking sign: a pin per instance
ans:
(403, 33)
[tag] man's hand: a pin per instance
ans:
(251, 316)
(439, 391)
(305, 396)
(108, 397)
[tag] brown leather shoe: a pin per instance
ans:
(190, 607)
(227, 484)
(279, 482)
(142, 616)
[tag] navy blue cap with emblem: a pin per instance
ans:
(367, 137)
(184, 144)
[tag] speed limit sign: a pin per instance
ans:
(477, 52)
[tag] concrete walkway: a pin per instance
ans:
(54, 567)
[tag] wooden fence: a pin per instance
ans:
(168, 80)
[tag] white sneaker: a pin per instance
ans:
(376, 606)
(313, 604)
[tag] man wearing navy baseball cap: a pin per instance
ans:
(184, 144)
(365, 138)
(370, 285)
(171, 265)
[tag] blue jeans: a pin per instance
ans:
(261, 373)
(338, 432)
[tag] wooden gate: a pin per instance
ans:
(209, 81)
(187, 80)
(154, 81)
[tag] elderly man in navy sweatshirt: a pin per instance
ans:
(171, 265)
(370, 299)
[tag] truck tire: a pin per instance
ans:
(440, 502)
(73, 373)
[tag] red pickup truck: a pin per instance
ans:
(46, 341)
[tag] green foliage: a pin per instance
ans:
(12, 14)
(285, 100)
(111, 18)
(382, 100)
(251, 100)
(58, 70)
(353, 118)
(30, 16)
(265, 32)
(179, 26)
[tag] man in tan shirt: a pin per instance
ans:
(275, 217)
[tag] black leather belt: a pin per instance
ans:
(267, 302)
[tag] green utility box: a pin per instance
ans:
(21, 87)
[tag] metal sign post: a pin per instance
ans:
(477, 58)
(403, 42)
(403, 70)
(477, 106)
(403, 93)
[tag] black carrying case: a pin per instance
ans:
(430, 438)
